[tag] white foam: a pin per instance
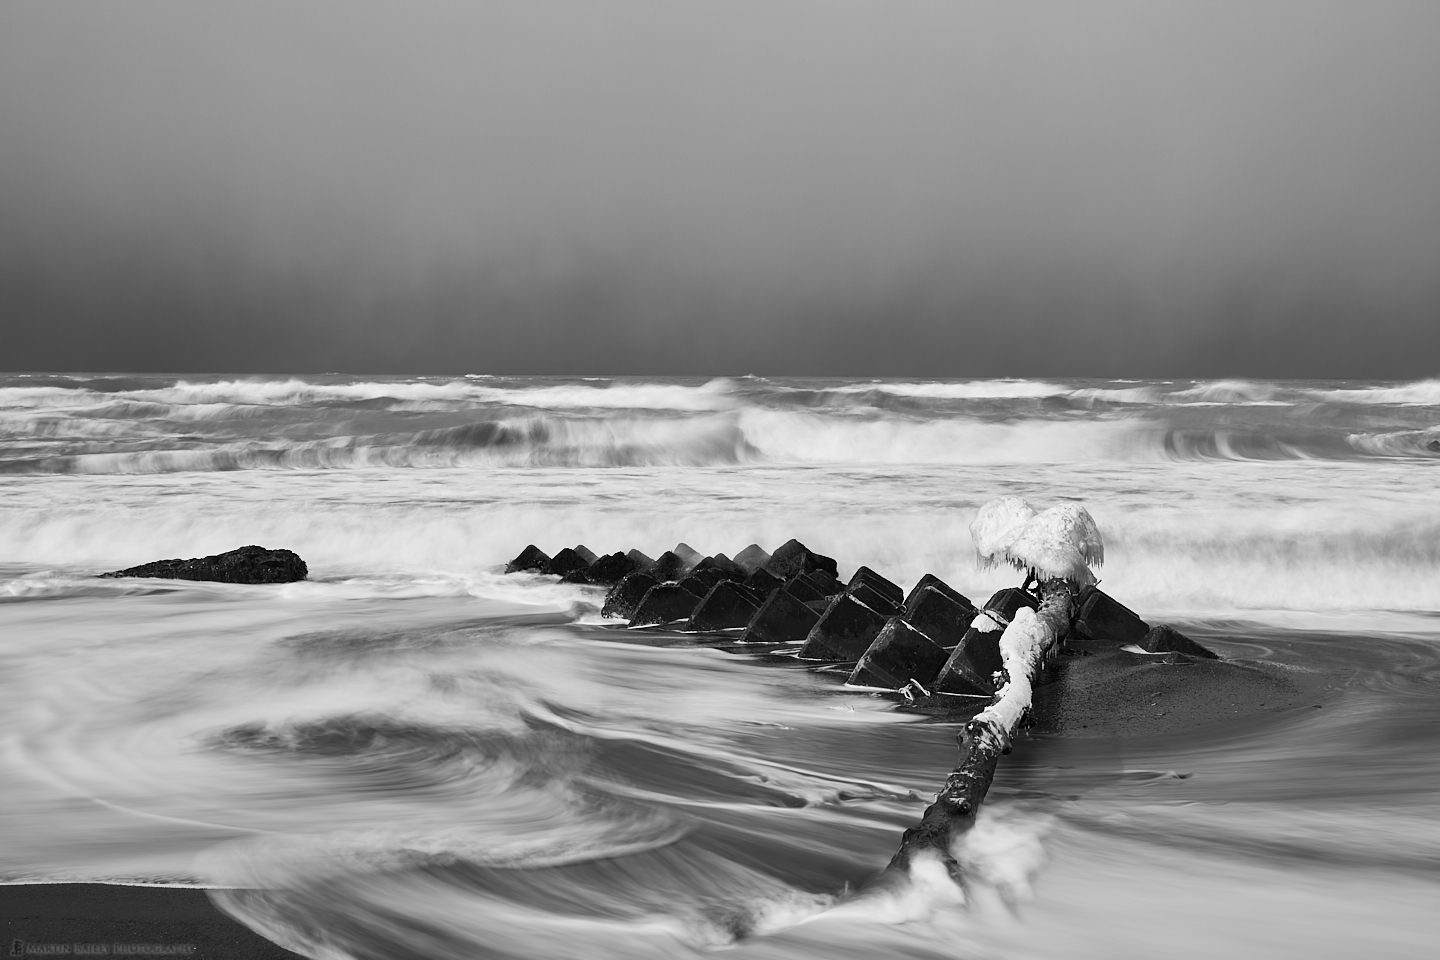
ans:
(1421, 392)
(967, 390)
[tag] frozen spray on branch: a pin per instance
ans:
(1059, 543)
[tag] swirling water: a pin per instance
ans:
(412, 755)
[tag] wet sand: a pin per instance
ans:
(100, 919)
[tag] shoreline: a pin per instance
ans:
(106, 919)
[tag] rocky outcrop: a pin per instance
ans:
(250, 564)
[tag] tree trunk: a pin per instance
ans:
(1024, 646)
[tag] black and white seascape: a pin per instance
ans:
(411, 754)
(315, 315)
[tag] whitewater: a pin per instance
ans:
(411, 754)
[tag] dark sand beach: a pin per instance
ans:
(102, 919)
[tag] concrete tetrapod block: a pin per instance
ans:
(687, 554)
(872, 598)
(626, 595)
(531, 558)
(794, 557)
(939, 617)
(802, 589)
(1004, 604)
(823, 581)
(844, 631)
(781, 618)
(641, 561)
(696, 585)
(708, 576)
(668, 566)
(586, 554)
(763, 582)
(727, 568)
(566, 561)
(665, 603)
(1163, 638)
(752, 558)
(1106, 620)
(899, 654)
(891, 591)
(611, 569)
(728, 605)
(930, 580)
(973, 662)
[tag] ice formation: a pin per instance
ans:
(996, 526)
(1061, 541)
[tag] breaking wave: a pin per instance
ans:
(1401, 443)
(157, 425)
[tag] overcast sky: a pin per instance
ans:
(1097, 188)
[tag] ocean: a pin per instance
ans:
(414, 755)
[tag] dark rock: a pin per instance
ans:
(1005, 603)
(899, 654)
(726, 567)
(586, 554)
(531, 558)
(872, 598)
(801, 588)
(641, 561)
(250, 564)
(843, 632)
(611, 569)
(1163, 638)
(1103, 619)
(781, 618)
(821, 605)
(626, 595)
(930, 580)
(763, 582)
(937, 615)
(794, 557)
(688, 555)
(752, 558)
(566, 561)
(881, 585)
(665, 603)
(728, 605)
(668, 566)
(1433, 445)
(577, 576)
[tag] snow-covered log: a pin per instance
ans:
(1024, 647)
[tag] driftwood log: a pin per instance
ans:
(1025, 646)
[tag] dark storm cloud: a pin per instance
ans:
(809, 186)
